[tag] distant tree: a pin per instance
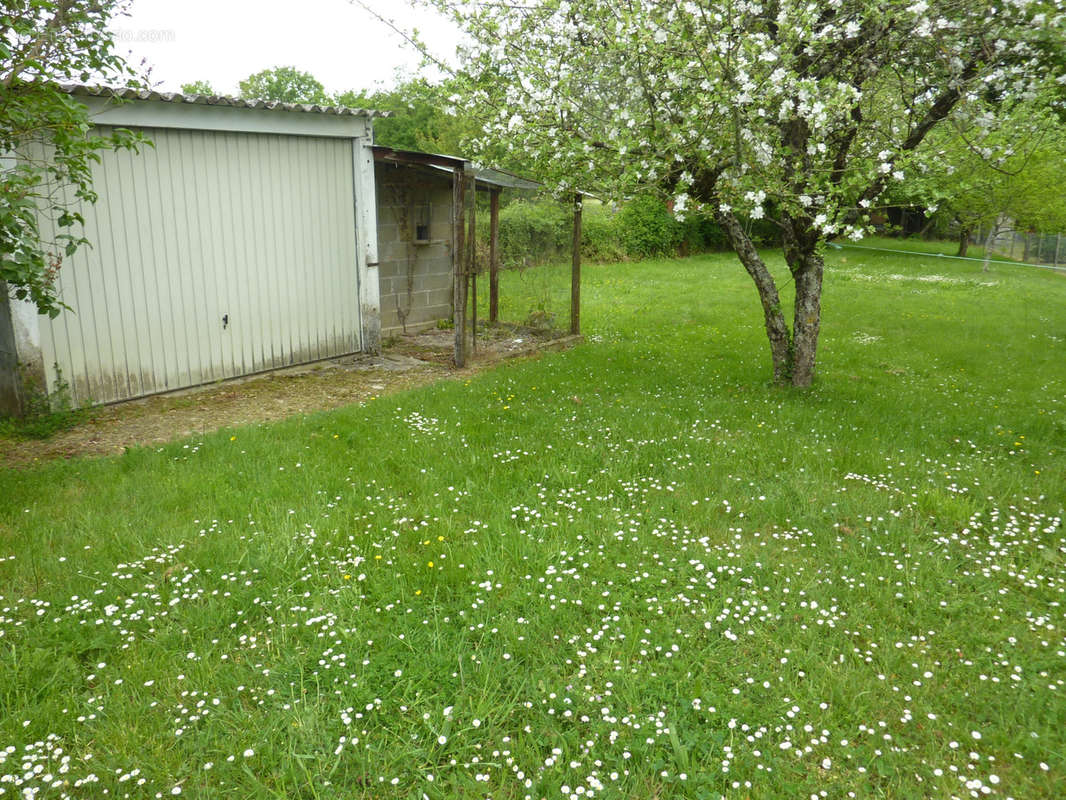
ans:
(426, 116)
(998, 177)
(46, 135)
(283, 85)
(1021, 191)
(198, 87)
(411, 120)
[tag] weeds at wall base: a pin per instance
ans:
(44, 414)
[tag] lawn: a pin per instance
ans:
(630, 570)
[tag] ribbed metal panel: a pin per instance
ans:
(214, 255)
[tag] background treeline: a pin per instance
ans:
(539, 230)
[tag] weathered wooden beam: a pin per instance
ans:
(575, 271)
(494, 256)
(459, 265)
(472, 249)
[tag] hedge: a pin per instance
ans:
(538, 231)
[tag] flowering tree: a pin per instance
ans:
(801, 112)
(44, 43)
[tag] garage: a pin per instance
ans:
(242, 240)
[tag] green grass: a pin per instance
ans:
(916, 245)
(632, 568)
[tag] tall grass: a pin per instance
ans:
(628, 570)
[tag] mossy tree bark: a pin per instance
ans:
(777, 331)
(964, 242)
(793, 352)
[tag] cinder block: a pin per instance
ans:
(439, 297)
(430, 281)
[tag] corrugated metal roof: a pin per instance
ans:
(486, 175)
(392, 154)
(127, 93)
(508, 180)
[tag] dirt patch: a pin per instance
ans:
(408, 361)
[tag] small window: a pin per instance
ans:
(422, 216)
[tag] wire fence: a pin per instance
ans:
(1030, 247)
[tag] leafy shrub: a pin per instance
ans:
(538, 231)
(600, 240)
(648, 229)
(701, 234)
(532, 232)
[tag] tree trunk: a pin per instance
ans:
(992, 232)
(964, 242)
(808, 317)
(776, 328)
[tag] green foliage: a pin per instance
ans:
(701, 234)
(539, 231)
(532, 232)
(1004, 177)
(647, 228)
(599, 233)
(423, 117)
(283, 85)
(198, 87)
(48, 133)
(416, 122)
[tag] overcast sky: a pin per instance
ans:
(224, 41)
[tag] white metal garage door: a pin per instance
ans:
(214, 255)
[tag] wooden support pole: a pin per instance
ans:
(1058, 241)
(575, 271)
(494, 256)
(472, 249)
(459, 264)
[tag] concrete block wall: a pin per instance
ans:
(415, 277)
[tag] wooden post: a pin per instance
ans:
(472, 249)
(575, 271)
(459, 265)
(1058, 241)
(494, 256)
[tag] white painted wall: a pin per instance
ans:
(215, 254)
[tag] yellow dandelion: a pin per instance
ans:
(429, 564)
(347, 577)
(418, 591)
